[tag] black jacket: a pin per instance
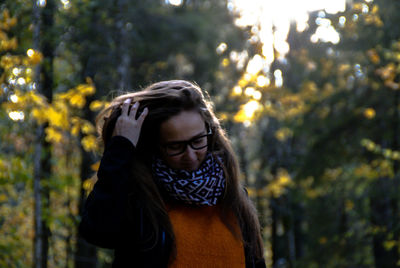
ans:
(107, 223)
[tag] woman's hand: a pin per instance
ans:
(126, 125)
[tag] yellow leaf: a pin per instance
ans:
(11, 44)
(95, 166)
(6, 14)
(87, 128)
(53, 135)
(349, 205)
(242, 83)
(225, 62)
(77, 100)
(75, 129)
(344, 68)
(387, 153)
(85, 89)
(284, 180)
(312, 193)
(34, 56)
(57, 118)
(309, 87)
(240, 116)
(3, 197)
(12, 22)
(396, 155)
(370, 145)
(387, 72)
(3, 165)
(89, 143)
(369, 113)
(278, 186)
(36, 98)
(388, 245)
(89, 80)
(283, 134)
(251, 192)
(8, 61)
(64, 96)
(373, 56)
(89, 184)
(223, 116)
(375, 9)
(322, 240)
(39, 115)
(3, 35)
(96, 105)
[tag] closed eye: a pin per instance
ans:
(174, 146)
(198, 140)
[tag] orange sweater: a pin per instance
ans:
(202, 240)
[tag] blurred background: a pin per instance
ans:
(308, 92)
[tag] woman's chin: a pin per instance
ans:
(189, 167)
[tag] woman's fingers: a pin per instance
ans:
(134, 108)
(125, 107)
(127, 125)
(142, 116)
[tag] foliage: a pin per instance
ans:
(332, 125)
(319, 149)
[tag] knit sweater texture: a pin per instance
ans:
(203, 240)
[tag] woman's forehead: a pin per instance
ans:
(182, 126)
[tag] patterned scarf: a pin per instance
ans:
(200, 187)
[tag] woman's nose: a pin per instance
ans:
(190, 153)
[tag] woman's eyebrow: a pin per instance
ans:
(194, 137)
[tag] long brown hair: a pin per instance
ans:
(164, 100)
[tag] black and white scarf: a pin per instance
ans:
(200, 187)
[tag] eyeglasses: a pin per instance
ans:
(179, 147)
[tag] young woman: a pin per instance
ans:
(168, 191)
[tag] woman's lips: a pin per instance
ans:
(190, 166)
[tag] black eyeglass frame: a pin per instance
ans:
(186, 143)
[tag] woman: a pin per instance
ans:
(168, 191)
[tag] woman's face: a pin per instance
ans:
(178, 135)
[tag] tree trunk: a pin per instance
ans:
(382, 217)
(291, 238)
(43, 23)
(274, 231)
(86, 254)
(298, 233)
(242, 158)
(38, 238)
(122, 40)
(384, 203)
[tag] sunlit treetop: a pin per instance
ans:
(269, 24)
(264, 16)
(174, 2)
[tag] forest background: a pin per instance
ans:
(316, 128)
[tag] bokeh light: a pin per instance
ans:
(174, 2)
(16, 115)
